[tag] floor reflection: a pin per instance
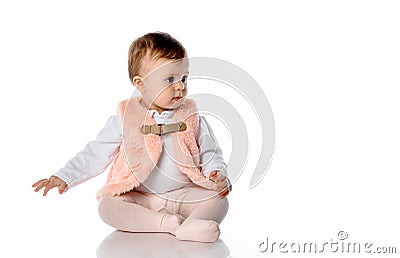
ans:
(124, 244)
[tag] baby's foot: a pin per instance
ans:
(198, 230)
(171, 222)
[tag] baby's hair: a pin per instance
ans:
(152, 46)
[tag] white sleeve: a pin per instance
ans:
(95, 157)
(211, 157)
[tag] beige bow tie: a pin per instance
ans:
(161, 129)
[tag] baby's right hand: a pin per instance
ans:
(49, 183)
(221, 181)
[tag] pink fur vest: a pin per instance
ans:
(139, 153)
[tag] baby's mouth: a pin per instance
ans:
(176, 98)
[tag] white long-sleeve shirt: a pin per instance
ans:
(166, 176)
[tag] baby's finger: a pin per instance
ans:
(212, 176)
(39, 182)
(224, 193)
(61, 187)
(41, 185)
(222, 184)
(220, 177)
(49, 186)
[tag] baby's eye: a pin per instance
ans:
(184, 79)
(170, 79)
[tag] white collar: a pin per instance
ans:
(165, 114)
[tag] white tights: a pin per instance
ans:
(188, 213)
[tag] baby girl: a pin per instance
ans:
(168, 173)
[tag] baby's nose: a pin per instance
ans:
(179, 85)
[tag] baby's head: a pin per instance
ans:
(158, 68)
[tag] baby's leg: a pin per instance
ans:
(127, 213)
(203, 216)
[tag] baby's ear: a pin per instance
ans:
(137, 81)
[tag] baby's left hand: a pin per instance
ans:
(222, 182)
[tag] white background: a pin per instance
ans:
(330, 70)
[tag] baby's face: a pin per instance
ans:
(164, 87)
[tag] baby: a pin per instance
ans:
(168, 173)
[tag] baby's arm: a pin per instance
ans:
(211, 157)
(90, 162)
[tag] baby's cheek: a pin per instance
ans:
(164, 99)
